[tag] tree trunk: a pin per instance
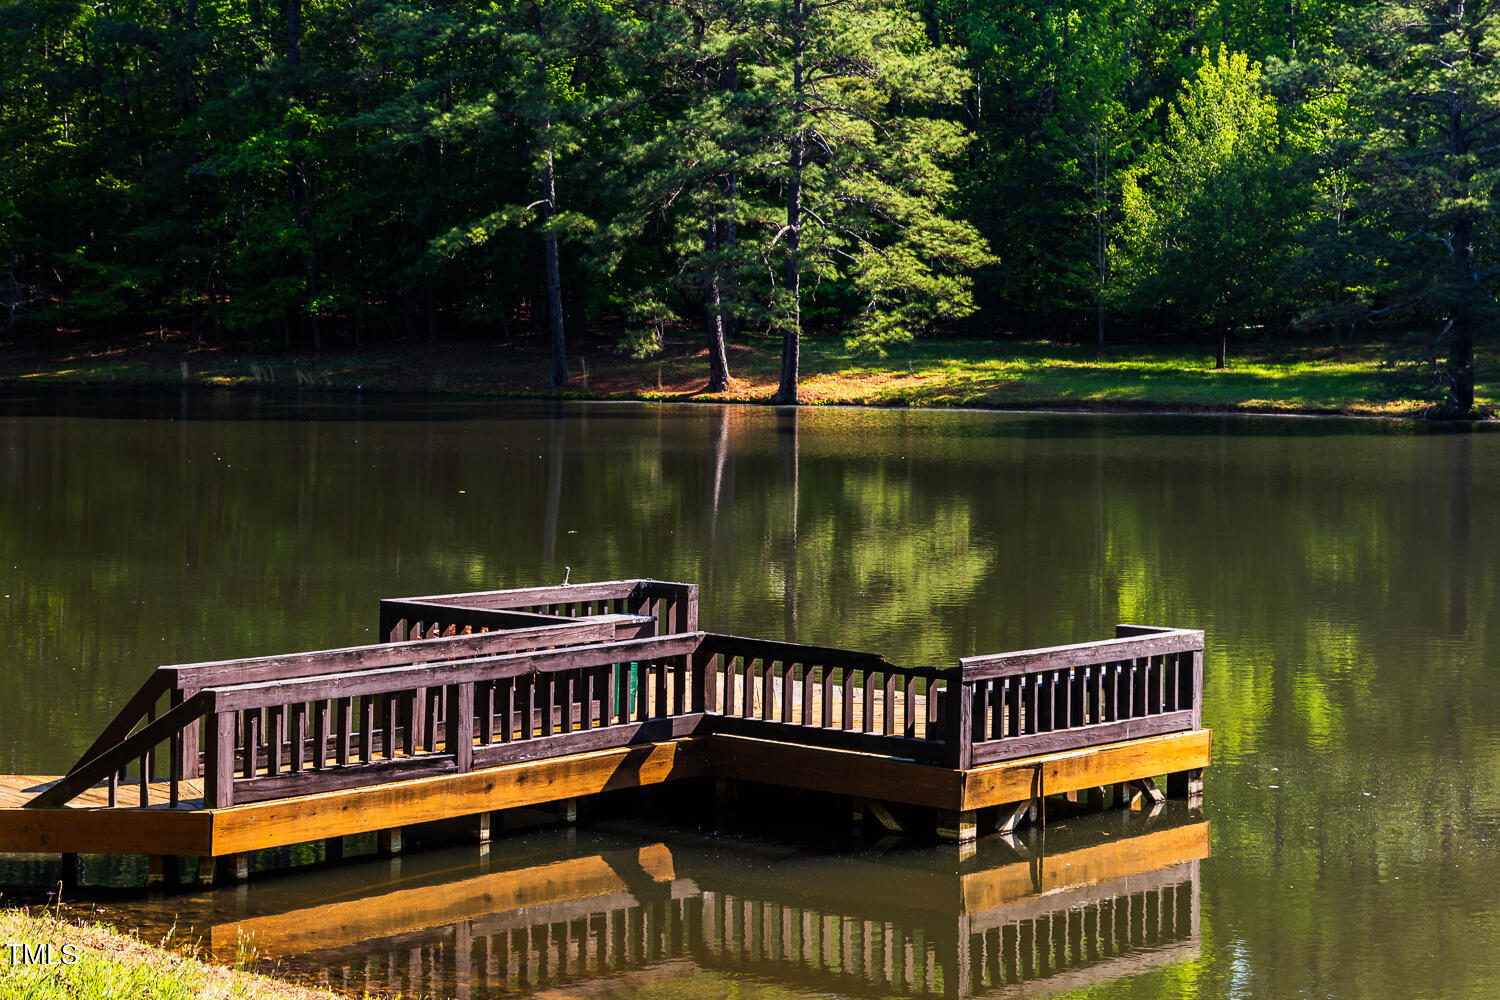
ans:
(294, 32)
(1461, 362)
(1222, 361)
(718, 362)
(791, 337)
(559, 377)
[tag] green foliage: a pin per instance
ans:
(1207, 223)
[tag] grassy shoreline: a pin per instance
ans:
(84, 961)
(1270, 377)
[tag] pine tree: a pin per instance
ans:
(1425, 122)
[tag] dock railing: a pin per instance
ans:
(671, 607)
(1145, 681)
(302, 735)
(815, 696)
(275, 727)
(168, 688)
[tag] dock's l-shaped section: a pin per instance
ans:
(185, 830)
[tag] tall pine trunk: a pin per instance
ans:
(559, 377)
(791, 337)
(718, 361)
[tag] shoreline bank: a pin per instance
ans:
(1271, 378)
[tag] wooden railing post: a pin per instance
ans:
(1197, 693)
(461, 724)
(218, 770)
(705, 689)
(958, 722)
(187, 751)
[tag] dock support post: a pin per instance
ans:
(72, 871)
(204, 876)
(237, 866)
(1147, 788)
(959, 826)
(567, 811)
(161, 869)
(1185, 784)
(482, 828)
(1011, 816)
(1120, 796)
(388, 842)
(333, 850)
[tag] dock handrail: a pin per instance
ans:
(179, 682)
(1146, 680)
(301, 735)
(280, 726)
(817, 696)
(673, 605)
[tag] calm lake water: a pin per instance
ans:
(1345, 573)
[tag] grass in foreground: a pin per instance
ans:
(1274, 377)
(115, 966)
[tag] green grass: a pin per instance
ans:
(94, 962)
(1269, 376)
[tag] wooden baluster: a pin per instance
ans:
(747, 689)
(566, 682)
(547, 683)
(390, 719)
(174, 765)
(1170, 667)
(909, 708)
(705, 672)
(586, 722)
(888, 706)
(768, 688)
(461, 724)
(430, 701)
(808, 677)
(1158, 668)
(344, 723)
(1079, 715)
(659, 710)
(1063, 692)
(679, 685)
(788, 693)
(846, 689)
(825, 687)
(996, 711)
(252, 741)
(299, 737)
(275, 730)
(367, 729)
(1031, 686)
(320, 734)
(867, 703)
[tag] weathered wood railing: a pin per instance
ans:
(1145, 681)
(305, 734)
(280, 726)
(170, 687)
(672, 607)
(827, 697)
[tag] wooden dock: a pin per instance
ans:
(491, 701)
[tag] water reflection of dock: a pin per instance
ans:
(999, 926)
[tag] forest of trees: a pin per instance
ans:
(308, 173)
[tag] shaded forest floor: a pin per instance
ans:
(1011, 373)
